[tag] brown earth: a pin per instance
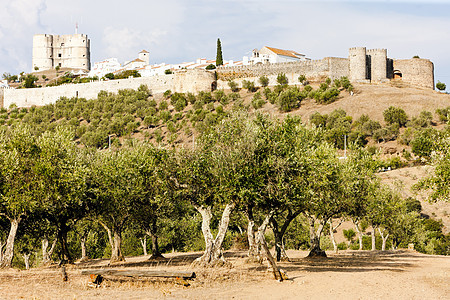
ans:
(398, 274)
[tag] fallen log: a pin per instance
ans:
(140, 273)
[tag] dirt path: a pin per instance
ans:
(348, 275)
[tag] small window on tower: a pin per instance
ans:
(62, 44)
(84, 55)
(59, 54)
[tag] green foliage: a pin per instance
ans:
(249, 85)
(264, 81)
(257, 101)
(424, 142)
(282, 79)
(302, 79)
(441, 86)
(233, 86)
(443, 114)
(29, 81)
(395, 115)
(127, 74)
(219, 58)
(168, 72)
(210, 67)
(290, 99)
(423, 120)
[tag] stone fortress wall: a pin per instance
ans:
(185, 81)
(362, 66)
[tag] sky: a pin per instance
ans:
(176, 31)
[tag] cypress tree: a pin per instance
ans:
(219, 59)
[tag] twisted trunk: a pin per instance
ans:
(9, 250)
(373, 238)
(62, 237)
(155, 246)
(332, 229)
(84, 256)
(115, 240)
(26, 259)
(47, 255)
(358, 231)
(314, 236)
(279, 234)
(383, 238)
(251, 235)
(144, 245)
(265, 249)
(213, 246)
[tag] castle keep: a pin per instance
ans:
(66, 51)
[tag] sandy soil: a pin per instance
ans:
(348, 275)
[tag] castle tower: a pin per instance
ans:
(357, 64)
(144, 56)
(378, 58)
(67, 51)
(42, 51)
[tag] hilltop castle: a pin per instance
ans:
(66, 51)
(362, 66)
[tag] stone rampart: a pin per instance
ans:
(314, 70)
(185, 81)
(415, 71)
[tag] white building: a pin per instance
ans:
(4, 83)
(102, 68)
(273, 56)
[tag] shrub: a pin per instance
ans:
(302, 79)
(257, 101)
(168, 72)
(167, 93)
(204, 97)
(163, 105)
(395, 115)
(249, 85)
(327, 95)
(441, 86)
(191, 98)
(423, 120)
(264, 81)
(443, 114)
(342, 246)
(109, 76)
(219, 96)
(233, 86)
(424, 142)
(282, 79)
(318, 120)
(210, 67)
(289, 99)
(385, 134)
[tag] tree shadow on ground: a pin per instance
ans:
(358, 261)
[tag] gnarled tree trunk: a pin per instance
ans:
(332, 229)
(279, 234)
(47, 255)
(314, 236)
(9, 249)
(373, 238)
(384, 238)
(115, 240)
(213, 246)
(359, 232)
(26, 259)
(62, 237)
(251, 235)
(265, 249)
(144, 245)
(84, 256)
(155, 246)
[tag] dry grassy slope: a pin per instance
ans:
(405, 178)
(374, 99)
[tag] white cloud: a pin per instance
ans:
(18, 21)
(125, 43)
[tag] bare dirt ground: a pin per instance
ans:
(398, 274)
